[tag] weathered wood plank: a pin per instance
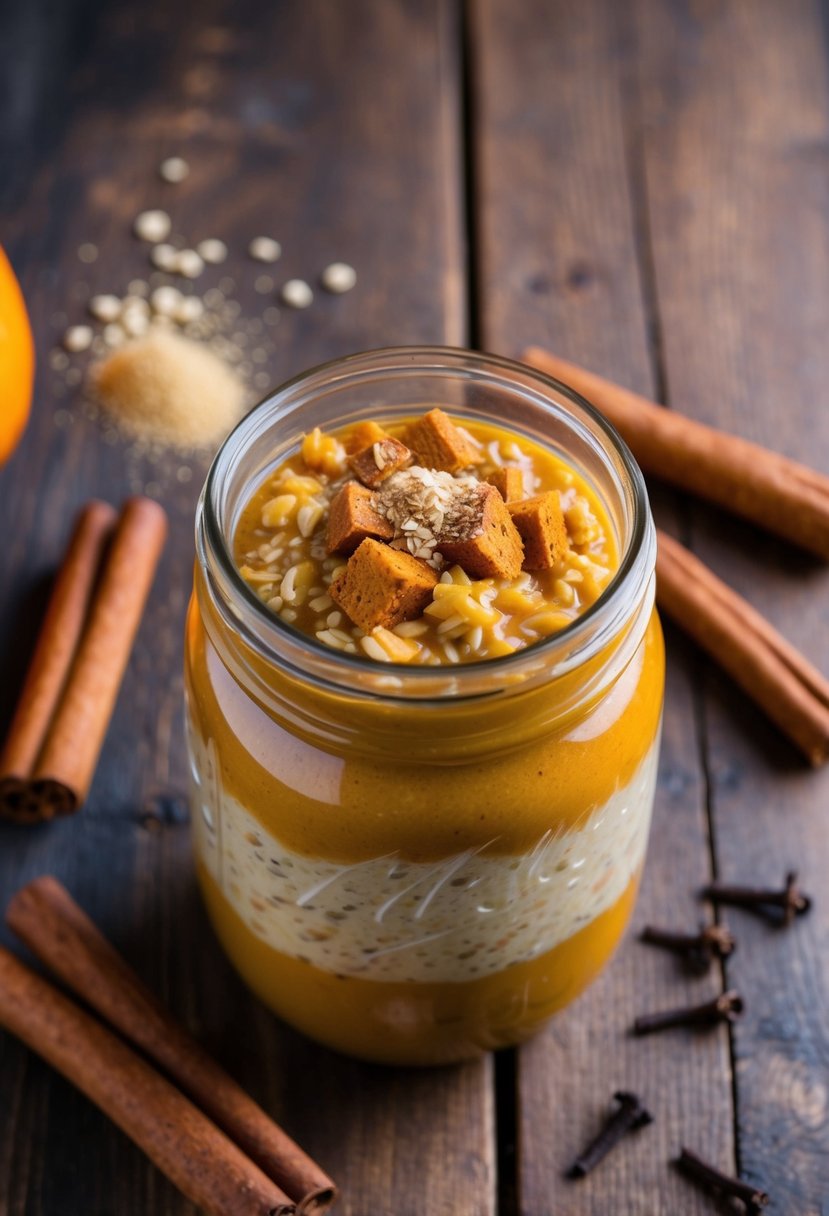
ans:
(334, 128)
(735, 119)
(563, 261)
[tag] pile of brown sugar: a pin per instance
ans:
(169, 390)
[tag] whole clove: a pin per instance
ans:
(715, 1180)
(726, 1007)
(628, 1116)
(790, 901)
(698, 950)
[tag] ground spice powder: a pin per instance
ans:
(169, 390)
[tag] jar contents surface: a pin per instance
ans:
(425, 542)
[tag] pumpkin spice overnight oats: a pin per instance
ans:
(424, 682)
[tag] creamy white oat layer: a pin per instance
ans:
(386, 919)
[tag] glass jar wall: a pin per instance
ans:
(417, 865)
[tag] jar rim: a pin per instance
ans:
(213, 543)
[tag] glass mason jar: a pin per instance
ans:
(418, 864)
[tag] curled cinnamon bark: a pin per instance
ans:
(46, 918)
(195, 1155)
(779, 494)
(49, 759)
(792, 692)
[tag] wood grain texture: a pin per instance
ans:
(735, 117)
(334, 128)
(563, 260)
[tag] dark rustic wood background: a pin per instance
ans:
(644, 187)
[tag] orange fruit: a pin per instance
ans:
(17, 360)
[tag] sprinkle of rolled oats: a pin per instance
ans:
(174, 169)
(338, 277)
(212, 251)
(265, 249)
(105, 308)
(164, 257)
(297, 294)
(153, 226)
(77, 338)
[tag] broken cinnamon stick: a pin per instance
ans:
(46, 918)
(49, 759)
(771, 490)
(195, 1155)
(793, 693)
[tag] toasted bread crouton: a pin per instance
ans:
(540, 521)
(438, 444)
(362, 435)
(373, 464)
(480, 536)
(509, 482)
(382, 586)
(352, 517)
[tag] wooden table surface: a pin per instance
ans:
(644, 187)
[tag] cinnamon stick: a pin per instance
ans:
(195, 1155)
(792, 692)
(777, 493)
(50, 757)
(46, 918)
(59, 636)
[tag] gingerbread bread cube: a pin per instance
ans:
(509, 482)
(363, 435)
(438, 444)
(352, 517)
(373, 464)
(540, 520)
(382, 586)
(480, 537)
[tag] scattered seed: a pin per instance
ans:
(105, 308)
(113, 334)
(265, 249)
(189, 308)
(166, 300)
(212, 251)
(189, 264)
(134, 323)
(73, 375)
(138, 287)
(297, 294)
(152, 226)
(338, 277)
(164, 257)
(77, 338)
(173, 169)
(271, 315)
(88, 252)
(263, 284)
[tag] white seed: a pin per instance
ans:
(338, 277)
(113, 335)
(152, 226)
(212, 250)
(166, 301)
(138, 287)
(265, 249)
(134, 306)
(189, 264)
(164, 257)
(135, 323)
(173, 169)
(77, 338)
(105, 308)
(297, 294)
(190, 308)
(88, 252)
